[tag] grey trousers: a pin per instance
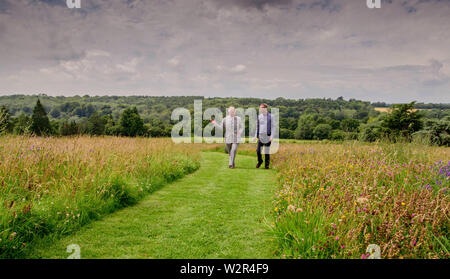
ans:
(232, 149)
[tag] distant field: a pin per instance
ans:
(384, 109)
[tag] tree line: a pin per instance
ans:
(317, 119)
(130, 124)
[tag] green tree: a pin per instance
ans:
(69, 106)
(322, 131)
(131, 123)
(40, 124)
(96, 125)
(286, 133)
(435, 132)
(69, 129)
(403, 121)
(349, 125)
(23, 124)
(305, 127)
(335, 124)
(338, 135)
(54, 124)
(371, 132)
(106, 110)
(111, 128)
(5, 120)
(55, 112)
(155, 131)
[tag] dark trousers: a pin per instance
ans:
(266, 151)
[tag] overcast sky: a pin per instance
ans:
(252, 48)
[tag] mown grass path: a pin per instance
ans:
(215, 212)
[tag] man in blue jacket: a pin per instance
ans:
(264, 133)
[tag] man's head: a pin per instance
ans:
(263, 108)
(232, 111)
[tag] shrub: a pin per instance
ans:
(371, 132)
(305, 127)
(351, 136)
(286, 133)
(322, 131)
(338, 135)
(436, 132)
(350, 125)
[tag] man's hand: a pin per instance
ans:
(213, 121)
(271, 139)
(254, 139)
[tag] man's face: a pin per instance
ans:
(232, 112)
(262, 110)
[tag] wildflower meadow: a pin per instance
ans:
(337, 199)
(56, 185)
(327, 200)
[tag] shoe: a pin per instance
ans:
(266, 167)
(258, 165)
(230, 166)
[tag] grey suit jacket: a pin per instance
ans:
(230, 135)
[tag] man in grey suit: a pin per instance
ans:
(265, 129)
(233, 129)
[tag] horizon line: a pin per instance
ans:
(213, 97)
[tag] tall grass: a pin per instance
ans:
(55, 185)
(336, 199)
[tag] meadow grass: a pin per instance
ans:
(336, 199)
(56, 185)
(332, 200)
(213, 213)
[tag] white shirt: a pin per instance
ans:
(263, 128)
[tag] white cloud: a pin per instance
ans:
(238, 69)
(129, 67)
(174, 61)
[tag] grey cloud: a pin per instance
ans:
(435, 82)
(4, 6)
(258, 4)
(369, 43)
(52, 2)
(296, 48)
(328, 5)
(412, 6)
